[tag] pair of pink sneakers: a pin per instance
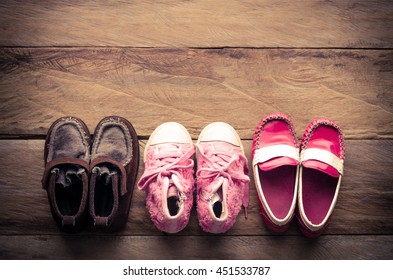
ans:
(222, 177)
(287, 176)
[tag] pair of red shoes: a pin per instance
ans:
(286, 174)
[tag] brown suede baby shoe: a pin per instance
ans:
(113, 168)
(67, 156)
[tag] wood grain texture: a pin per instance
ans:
(201, 23)
(196, 87)
(196, 62)
(364, 204)
(195, 247)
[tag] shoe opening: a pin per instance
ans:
(68, 190)
(173, 201)
(103, 196)
(217, 203)
(173, 206)
(69, 198)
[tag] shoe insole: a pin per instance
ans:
(278, 188)
(318, 193)
(103, 197)
(68, 199)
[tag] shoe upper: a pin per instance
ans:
(168, 177)
(222, 178)
(67, 156)
(114, 164)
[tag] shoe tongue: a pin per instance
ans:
(216, 198)
(172, 191)
(168, 149)
(173, 203)
(277, 162)
(321, 166)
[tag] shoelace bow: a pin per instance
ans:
(169, 162)
(222, 164)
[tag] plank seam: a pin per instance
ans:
(198, 48)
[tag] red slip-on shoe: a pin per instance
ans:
(275, 155)
(321, 170)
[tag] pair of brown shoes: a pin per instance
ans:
(97, 177)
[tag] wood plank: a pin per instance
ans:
(201, 23)
(196, 87)
(195, 247)
(364, 204)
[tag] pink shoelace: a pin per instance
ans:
(170, 160)
(222, 163)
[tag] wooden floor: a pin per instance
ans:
(197, 62)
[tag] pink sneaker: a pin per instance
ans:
(222, 178)
(168, 176)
